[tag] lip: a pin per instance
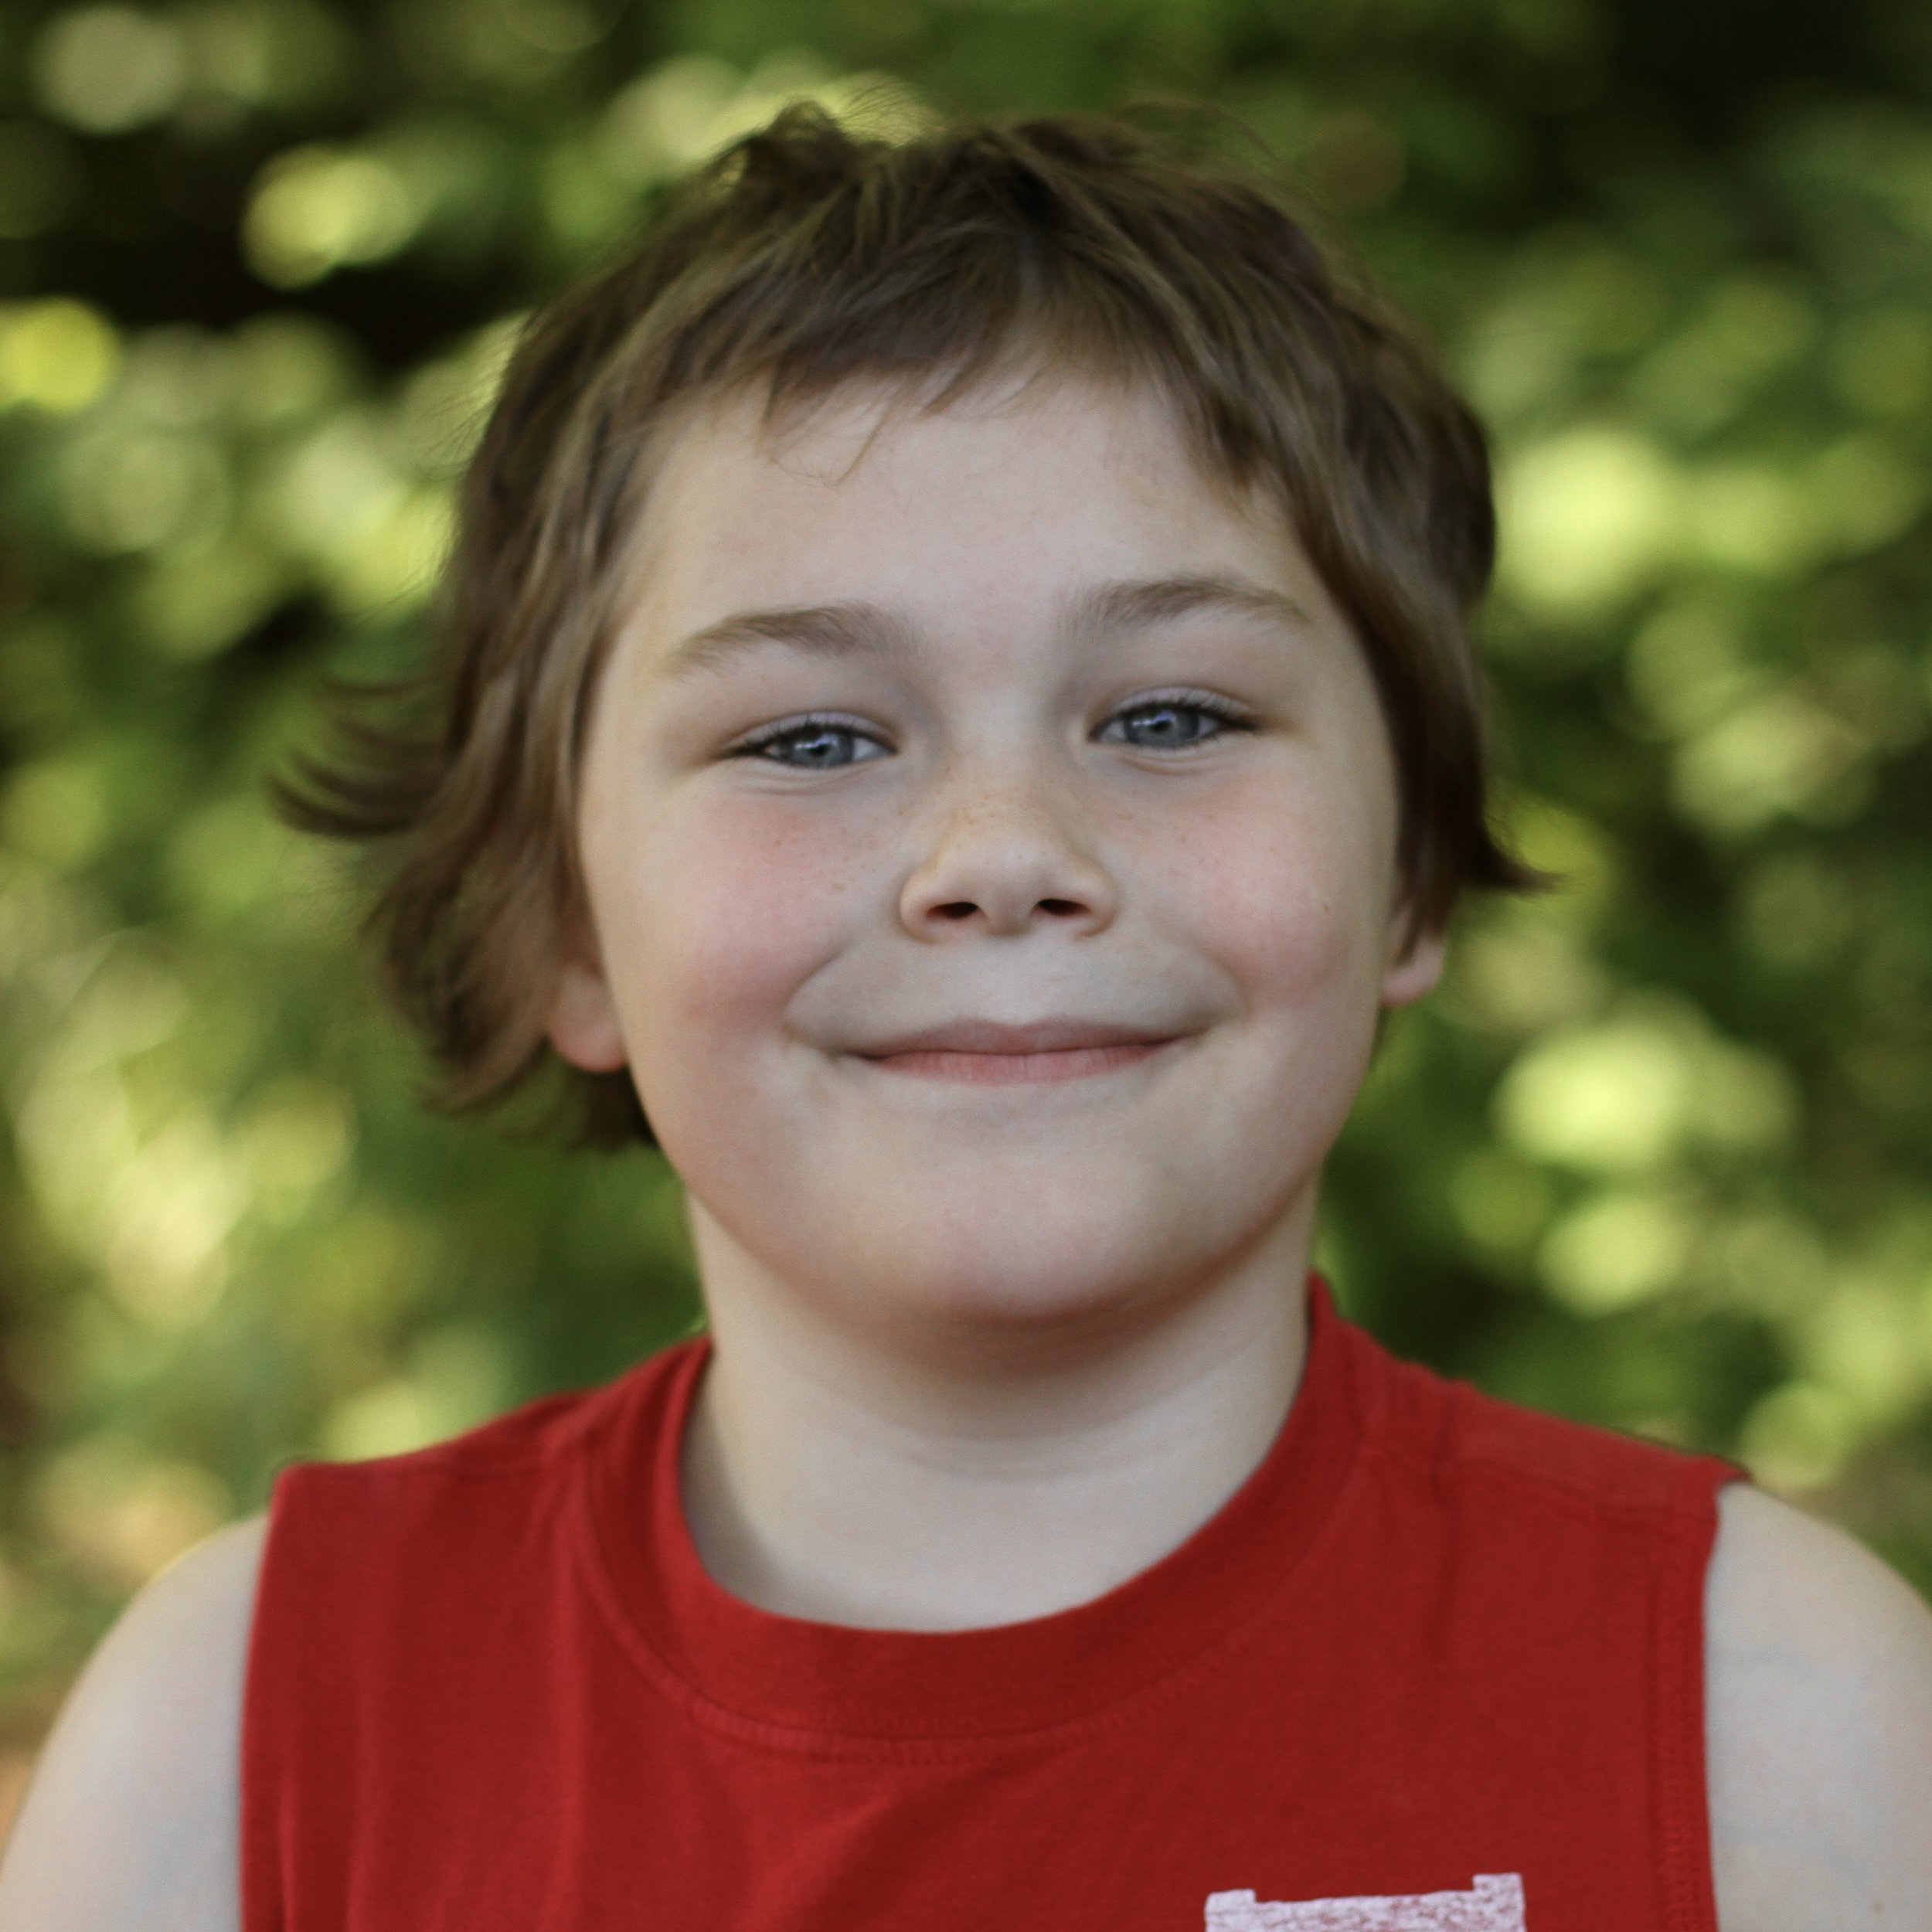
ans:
(1055, 1035)
(1012, 1070)
(991, 1053)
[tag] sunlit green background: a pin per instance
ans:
(1657, 1157)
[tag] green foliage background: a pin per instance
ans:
(1656, 1157)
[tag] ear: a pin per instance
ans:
(1414, 964)
(583, 1025)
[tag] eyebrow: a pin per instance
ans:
(870, 630)
(1134, 605)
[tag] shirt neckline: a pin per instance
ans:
(745, 1667)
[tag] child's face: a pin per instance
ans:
(1003, 607)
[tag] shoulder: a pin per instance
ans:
(1818, 1714)
(1445, 1429)
(132, 1819)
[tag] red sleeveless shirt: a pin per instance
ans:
(1436, 1667)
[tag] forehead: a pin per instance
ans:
(1012, 492)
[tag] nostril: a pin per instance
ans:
(959, 909)
(1059, 905)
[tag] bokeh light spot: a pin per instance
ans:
(1586, 517)
(58, 355)
(1617, 1249)
(315, 209)
(108, 69)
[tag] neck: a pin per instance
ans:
(849, 1481)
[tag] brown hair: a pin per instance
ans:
(805, 257)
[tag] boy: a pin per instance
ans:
(959, 704)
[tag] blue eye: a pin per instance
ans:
(820, 742)
(830, 743)
(1175, 722)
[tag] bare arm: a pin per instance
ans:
(1819, 1726)
(132, 1823)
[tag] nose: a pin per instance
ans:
(1006, 851)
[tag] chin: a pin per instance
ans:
(1020, 1274)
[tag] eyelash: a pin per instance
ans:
(1228, 716)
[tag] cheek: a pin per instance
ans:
(1284, 888)
(725, 913)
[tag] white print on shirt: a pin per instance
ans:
(1496, 1905)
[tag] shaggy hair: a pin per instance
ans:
(805, 258)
